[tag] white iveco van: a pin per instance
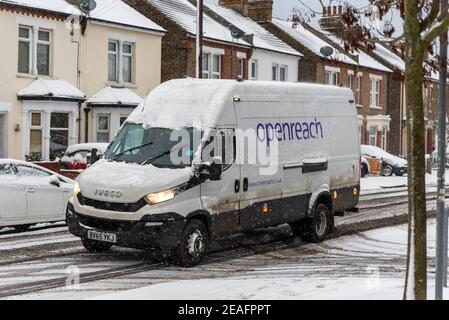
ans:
(206, 158)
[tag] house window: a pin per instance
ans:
(113, 61)
(103, 124)
(274, 72)
(127, 59)
(332, 78)
(36, 135)
(358, 90)
(350, 81)
(373, 136)
(120, 62)
(375, 93)
(211, 66)
(241, 66)
(59, 134)
(43, 52)
(384, 138)
(254, 69)
(283, 74)
(25, 56)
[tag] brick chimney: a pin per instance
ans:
(331, 20)
(257, 10)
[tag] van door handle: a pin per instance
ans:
(245, 184)
(31, 190)
(237, 186)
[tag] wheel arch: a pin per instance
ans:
(322, 195)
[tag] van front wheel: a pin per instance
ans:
(192, 245)
(316, 228)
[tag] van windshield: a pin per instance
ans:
(161, 147)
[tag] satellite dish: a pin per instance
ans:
(327, 51)
(236, 33)
(87, 6)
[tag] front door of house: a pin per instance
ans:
(3, 136)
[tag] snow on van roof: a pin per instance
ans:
(114, 11)
(311, 41)
(183, 13)
(263, 39)
(197, 103)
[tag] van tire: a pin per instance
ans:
(96, 246)
(316, 228)
(22, 228)
(192, 245)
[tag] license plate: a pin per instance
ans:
(102, 236)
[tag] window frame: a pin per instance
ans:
(330, 76)
(102, 131)
(370, 135)
(36, 128)
(60, 128)
(45, 43)
(275, 72)
(358, 90)
(285, 68)
(375, 87)
(117, 57)
(254, 70)
(241, 71)
(131, 57)
(30, 41)
(210, 72)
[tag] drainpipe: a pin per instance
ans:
(86, 124)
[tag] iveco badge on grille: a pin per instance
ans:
(108, 193)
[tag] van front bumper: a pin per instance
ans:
(161, 232)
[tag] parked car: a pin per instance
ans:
(391, 164)
(30, 194)
(77, 156)
(364, 166)
(435, 157)
(138, 196)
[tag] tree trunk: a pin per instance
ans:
(416, 272)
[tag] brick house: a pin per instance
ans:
(397, 102)
(364, 75)
(223, 57)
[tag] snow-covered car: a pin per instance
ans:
(364, 166)
(31, 194)
(435, 157)
(77, 156)
(391, 164)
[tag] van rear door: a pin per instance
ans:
(260, 190)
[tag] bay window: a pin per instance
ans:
(36, 134)
(103, 125)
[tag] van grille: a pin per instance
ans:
(106, 225)
(111, 206)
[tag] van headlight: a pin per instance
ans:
(76, 189)
(158, 197)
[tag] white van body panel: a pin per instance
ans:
(319, 153)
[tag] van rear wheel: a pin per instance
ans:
(193, 243)
(316, 228)
(96, 246)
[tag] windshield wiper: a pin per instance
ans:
(131, 149)
(152, 159)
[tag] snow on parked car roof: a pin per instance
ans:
(30, 164)
(113, 11)
(263, 39)
(197, 103)
(51, 88)
(183, 13)
(311, 41)
(379, 153)
(115, 96)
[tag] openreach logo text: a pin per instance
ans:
(267, 132)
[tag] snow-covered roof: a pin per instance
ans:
(263, 39)
(311, 41)
(115, 96)
(116, 11)
(183, 13)
(365, 60)
(51, 89)
(112, 11)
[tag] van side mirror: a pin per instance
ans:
(54, 181)
(94, 156)
(212, 171)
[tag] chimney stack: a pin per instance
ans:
(257, 10)
(331, 21)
